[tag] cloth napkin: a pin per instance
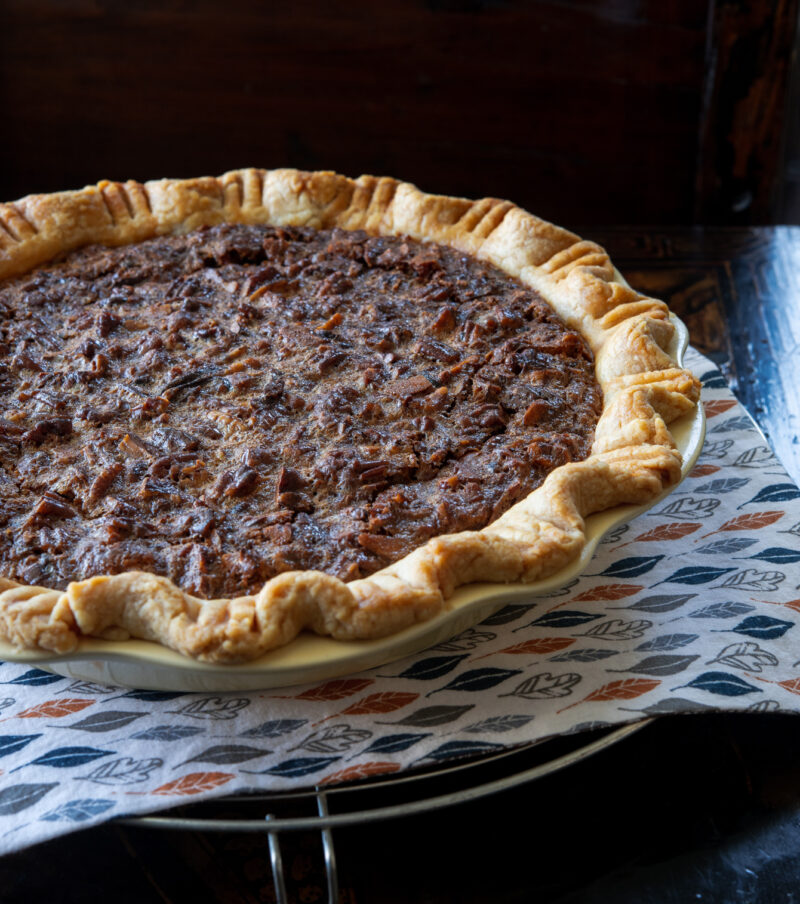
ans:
(694, 605)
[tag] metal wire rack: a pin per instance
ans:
(381, 798)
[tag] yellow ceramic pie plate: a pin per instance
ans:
(310, 658)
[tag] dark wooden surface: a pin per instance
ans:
(694, 808)
(633, 111)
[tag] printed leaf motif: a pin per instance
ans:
(713, 379)
(689, 507)
(791, 684)
(20, 797)
(89, 687)
(630, 567)
(478, 680)
(717, 449)
(227, 755)
(66, 757)
(607, 592)
(777, 555)
(747, 656)
(214, 709)
(674, 705)
(430, 716)
(661, 602)
(194, 783)
(763, 627)
(764, 706)
(150, 696)
(794, 529)
(546, 686)
(274, 728)
(718, 406)
(751, 579)
(364, 770)
(722, 485)
(624, 689)
(723, 684)
(775, 492)
(563, 618)
(666, 642)
(55, 709)
(430, 669)
(334, 739)
(467, 640)
(748, 522)
(742, 422)
(336, 690)
(168, 732)
(617, 629)
(667, 532)
(124, 771)
(584, 655)
(105, 721)
(696, 574)
(35, 678)
(722, 610)
(297, 768)
(383, 702)
(756, 457)
(79, 810)
(395, 743)
(538, 646)
(703, 470)
(506, 615)
(726, 547)
(663, 664)
(462, 748)
(615, 535)
(499, 724)
(12, 743)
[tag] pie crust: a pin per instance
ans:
(633, 458)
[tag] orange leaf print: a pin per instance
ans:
(748, 522)
(703, 470)
(718, 406)
(625, 689)
(194, 783)
(363, 771)
(55, 709)
(336, 690)
(539, 645)
(607, 592)
(792, 685)
(791, 604)
(375, 704)
(667, 532)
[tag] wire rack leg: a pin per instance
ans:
(277, 864)
(328, 850)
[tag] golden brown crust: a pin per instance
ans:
(633, 458)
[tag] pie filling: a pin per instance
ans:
(223, 406)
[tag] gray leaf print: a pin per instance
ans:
(545, 686)
(747, 656)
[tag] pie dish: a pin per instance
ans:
(633, 457)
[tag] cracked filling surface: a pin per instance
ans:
(223, 406)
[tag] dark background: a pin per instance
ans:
(585, 112)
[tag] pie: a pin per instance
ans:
(233, 409)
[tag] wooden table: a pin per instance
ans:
(721, 825)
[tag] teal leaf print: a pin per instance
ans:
(696, 574)
(763, 627)
(432, 668)
(723, 684)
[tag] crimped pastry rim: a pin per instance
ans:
(634, 457)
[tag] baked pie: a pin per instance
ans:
(232, 409)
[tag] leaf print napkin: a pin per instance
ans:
(692, 606)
